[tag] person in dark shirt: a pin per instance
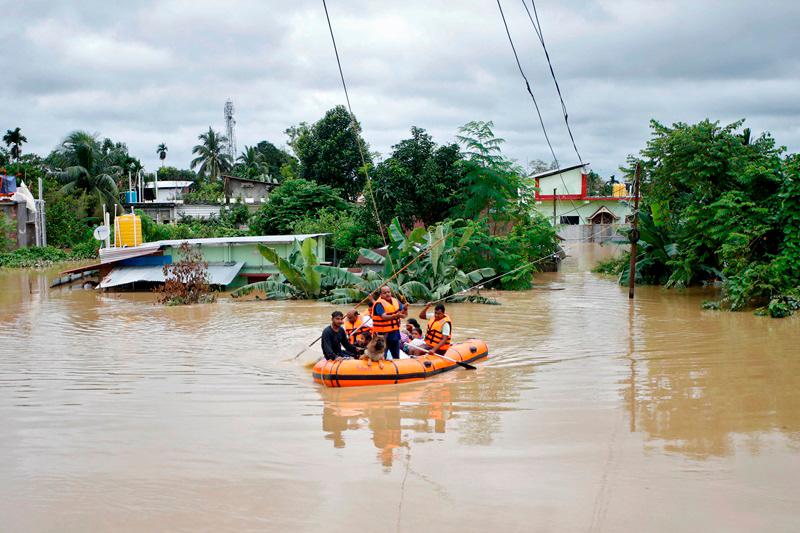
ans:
(334, 338)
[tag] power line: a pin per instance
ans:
(353, 125)
(527, 84)
(537, 27)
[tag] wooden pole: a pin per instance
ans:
(634, 236)
(554, 207)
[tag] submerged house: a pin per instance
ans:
(563, 198)
(232, 261)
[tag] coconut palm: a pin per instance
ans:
(79, 154)
(15, 139)
(211, 157)
(162, 152)
(251, 163)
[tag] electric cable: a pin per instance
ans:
(353, 126)
(537, 27)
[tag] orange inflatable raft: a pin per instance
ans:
(358, 373)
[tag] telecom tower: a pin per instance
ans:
(230, 129)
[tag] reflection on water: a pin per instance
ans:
(119, 414)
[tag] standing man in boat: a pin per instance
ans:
(386, 314)
(440, 329)
(334, 337)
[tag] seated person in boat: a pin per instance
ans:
(407, 333)
(386, 313)
(334, 339)
(415, 342)
(357, 327)
(440, 330)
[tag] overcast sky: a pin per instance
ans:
(146, 72)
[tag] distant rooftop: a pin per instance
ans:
(169, 184)
(558, 170)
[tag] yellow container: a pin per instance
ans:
(618, 190)
(128, 230)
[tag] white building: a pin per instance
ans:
(562, 197)
(166, 191)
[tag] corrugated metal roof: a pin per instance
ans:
(262, 239)
(218, 274)
(109, 255)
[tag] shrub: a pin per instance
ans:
(186, 280)
(33, 257)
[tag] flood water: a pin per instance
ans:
(591, 414)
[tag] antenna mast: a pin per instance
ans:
(230, 129)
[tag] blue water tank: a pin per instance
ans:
(130, 197)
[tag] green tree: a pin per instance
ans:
(491, 182)
(79, 152)
(162, 153)
(276, 159)
(14, 139)
(329, 152)
(717, 204)
(292, 201)
(211, 158)
(251, 164)
(420, 181)
(175, 174)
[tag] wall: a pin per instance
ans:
(252, 193)
(582, 208)
(572, 183)
(24, 221)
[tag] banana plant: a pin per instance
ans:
(434, 276)
(298, 275)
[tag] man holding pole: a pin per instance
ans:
(386, 313)
(440, 330)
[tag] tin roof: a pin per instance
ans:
(108, 255)
(218, 274)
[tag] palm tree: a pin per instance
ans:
(79, 152)
(162, 152)
(251, 163)
(15, 139)
(210, 155)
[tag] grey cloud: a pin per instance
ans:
(146, 72)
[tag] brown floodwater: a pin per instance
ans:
(592, 414)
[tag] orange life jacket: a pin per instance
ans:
(350, 327)
(434, 334)
(385, 325)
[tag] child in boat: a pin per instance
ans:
(415, 346)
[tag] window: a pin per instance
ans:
(570, 220)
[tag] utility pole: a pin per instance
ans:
(634, 236)
(554, 207)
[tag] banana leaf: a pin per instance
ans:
(273, 289)
(313, 279)
(375, 257)
(338, 277)
(289, 271)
